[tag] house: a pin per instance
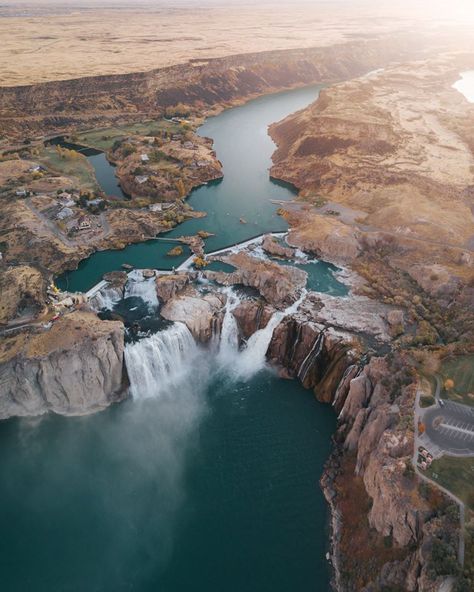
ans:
(64, 213)
(177, 137)
(35, 169)
(145, 158)
(156, 207)
(201, 163)
(140, 179)
(21, 192)
(65, 199)
(95, 202)
(84, 223)
(188, 145)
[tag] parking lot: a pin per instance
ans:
(451, 427)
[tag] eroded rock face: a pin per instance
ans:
(278, 284)
(272, 246)
(75, 368)
(325, 237)
(201, 314)
(251, 316)
(168, 286)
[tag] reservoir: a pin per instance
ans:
(205, 479)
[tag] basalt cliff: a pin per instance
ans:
(205, 85)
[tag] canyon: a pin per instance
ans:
(372, 198)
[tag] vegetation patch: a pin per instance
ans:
(455, 475)
(457, 373)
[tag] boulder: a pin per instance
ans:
(168, 286)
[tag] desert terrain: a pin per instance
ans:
(44, 41)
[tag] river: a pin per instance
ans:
(244, 147)
(205, 480)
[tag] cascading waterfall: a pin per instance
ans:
(311, 357)
(228, 342)
(161, 363)
(106, 299)
(169, 360)
(141, 287)
(252, 358)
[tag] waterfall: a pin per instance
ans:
(160, 364)
(311, 357)
(141, 287)
(228, 343)
(253, 357)
(170, 360)
(106, 299)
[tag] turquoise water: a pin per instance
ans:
(210, 490)
(210, 487)
(245, 149)
(105, 175)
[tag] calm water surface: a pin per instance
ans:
(245, 149)
(212, 487)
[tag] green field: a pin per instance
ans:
(456, 475)
(459, 369)
(78, 167)
(103, 138)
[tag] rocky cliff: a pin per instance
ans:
(202, 84)
(74, 368)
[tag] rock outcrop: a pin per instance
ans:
(273, 246)
(168, 286)
(22, 290)
(75, 368)
(201, 314)
(278, 284)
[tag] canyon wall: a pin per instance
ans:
(203, 84)
(75, 368)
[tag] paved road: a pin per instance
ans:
(425, 440)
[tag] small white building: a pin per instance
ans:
(64, 213)
(20, 192)
(145, 158)
(156, 207)
(84, 223)
(140, 179)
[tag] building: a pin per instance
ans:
(64, 213)
(140, 179)
(21, 192)
(145, 158)
(84, 223)
(189, 145)
(201, 163)
(65, 199)
(156, 207)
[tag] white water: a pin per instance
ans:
(141, 287)
(229, 338)
(106, 299)
(162, 363)
(465, 85)
(168, 361)
(252, 358)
